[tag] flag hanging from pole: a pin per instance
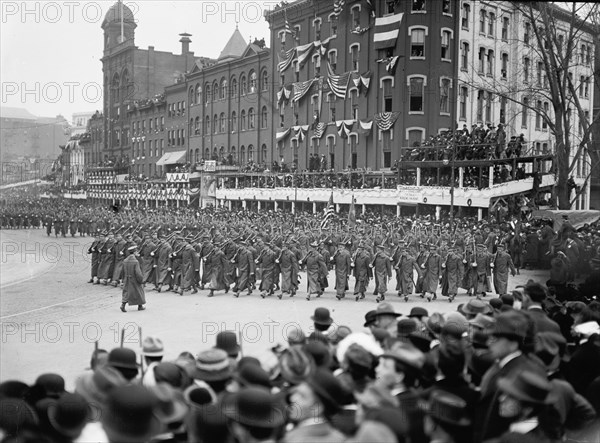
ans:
(352, 214)
(329, 212)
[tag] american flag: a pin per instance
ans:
(338, 5)
(329, 212)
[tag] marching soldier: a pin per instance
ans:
(288, 265)
(93, 249)
(244, 267)
(362, 272)
(342, 261)
(432, 273)
(481, 271)
(405, 266)
(315, 264)
(382, 270)
(120, 249)
(501, 264)
(218, 280)
(147, 254)
(163, 265)
(190, 268)
(266, 259)
(107, 259)
(452, 271)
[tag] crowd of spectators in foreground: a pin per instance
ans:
(517, 368)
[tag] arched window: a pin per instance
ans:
(207, 154)
(233, 154)
(233, 87)
(207, 93)
(191, 95)
(191, 127)
(250, 153)
(264, 81)
(207, 125)
(243, 85)
(215, 88)
(264, 116)
(215, 124)
(114, 86)
(253, 84)
(251, 117)
(233, 122)
(222, 122)
(243, 120)
(222, 153)
(242, 155)
(197, 126)
(197, 159)
(223, 88)
(198, 94)
(263, 153)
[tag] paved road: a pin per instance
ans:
(50, 316)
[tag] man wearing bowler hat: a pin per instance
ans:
(506, 344)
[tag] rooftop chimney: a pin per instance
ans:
(185, 43)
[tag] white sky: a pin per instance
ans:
(50, 51)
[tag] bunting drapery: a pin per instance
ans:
(283, 96)
(338, 6)
(301, 88)
(338, 83)
(300, 132)
(390, 63)
(365, 127)
(286, 60)
(386, 31)
(386, 120)
(344, 127)
(282, 135)
(303, 52)
(320, 129)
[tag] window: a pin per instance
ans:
(504, 70)
(354, 103)
(416, 86)
(150, 124)
(527, 33)
(481, 60)
(191, 95)
(222, 122)
(587, 55)
(544, 121)
(242, 155)
(417, 43)
(505, 22)
(263, 153)
(282, 38)
(253, 82)
(388, 94)
(482, 17)
(488, 107)
(330, 143)
(243, 120)
(223, 88)
(316, 59)
(354, 51)
(234, 88)
(296, 67)
(559, 42)
(332, 57)
(418, 5)
(317, 26)
(464, 56)
(356, 17)
(503, 102)
(216, 93)
(464, 20)
(464, 94)
(314, 102)
(264, 81)
(445, 45)
(491, 24)
(314, 145)
(480, 99)
(243, 85)
(233, 121)
(490, 62)
(162, 123)
(446, 7)
(333, 21)
(445, 85)
(526, 63)
(250, 153)
(198, 94)
(538, 115)
(540, 68)
(251, 118)
(586, 88)
(207, 95)
(264, 118)
(215, 124)
(390, 6)
(415, 136)
(331, 105)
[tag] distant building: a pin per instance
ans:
(80, 122)
(25, 135)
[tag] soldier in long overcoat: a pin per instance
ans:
(266, 259)
(342, 261)
(288, 265)
(244, 267)
(405, 266)
(501, 264)
(432, 273)
(314, 267)
(163, 263)
(382, 269)
(218, 279)
(481, 271)
(119, 251)
(133, 289)
(452, 271)
(191, 267)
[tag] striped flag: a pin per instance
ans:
(301, 88)
(338, 6)
(386, 31)
(329, 212)
(286, 60)
(288, 28)
(338, 83)
(352, 214)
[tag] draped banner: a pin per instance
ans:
(320, 129)
(365, 80)
(386, 31)
(286, 60)
(365, 127)
(386, 120)
(390, 63)
(300, 132)
(344, 127)
(301, 88)
(282, 135)
(304, 53)
(283, 96)
(338, 83)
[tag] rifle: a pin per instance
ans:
(162, 242)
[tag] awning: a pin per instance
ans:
(171, 158)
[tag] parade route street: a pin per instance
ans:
(51, 317)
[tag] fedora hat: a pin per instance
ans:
(227, 341)
(406, 326)
(95, 386)
(386, 309)
(171, 373)
(69, 414)
(171, 404)
(212, 365)
(122, 358)
(327, 388)
(482, 321)
(130, 414)
(526, 386)
(434, 323)
(512, 325)
(474, 307)
(370, 318)
(254, 406)
(447, 408)
(322, 317)
(405, 353)
(549, 346)
(153, 347)
(418, 312)
(296, 365)
(252, 375)
(456, 325)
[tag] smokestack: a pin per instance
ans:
(185, 43)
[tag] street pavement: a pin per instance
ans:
(50, 317)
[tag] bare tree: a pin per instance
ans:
(554, 42)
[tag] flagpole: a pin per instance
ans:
(122, 25)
